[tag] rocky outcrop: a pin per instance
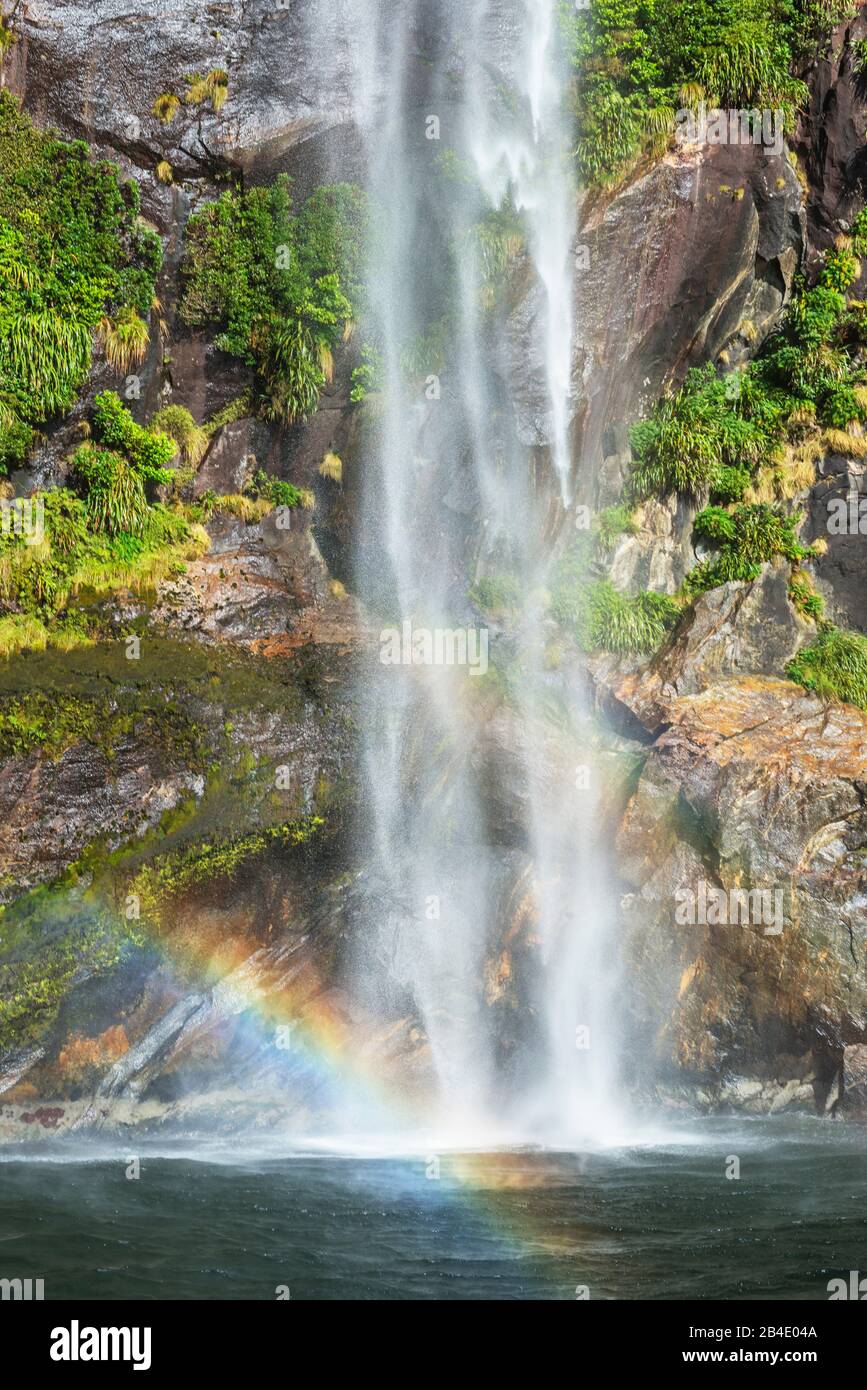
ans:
(94, 72)
(750, 786)
(830, 140)
(264, 584)
(754, 786)
(836, 515)
(693, 259)
(737, 629)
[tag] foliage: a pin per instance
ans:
(803, 596)
(497, 593)
(73, 253)
(834, 666)
(115, 494)
(166, 107)
(367, 376)
(214, 87)
(859, 233)
(276, 491)
(236, 409)
(7, 37)
(745, 538)
(613, 522)
(624, 624)
(148, 450)
(278, 285)
(729, 437)
(38, 582)
(177, 422)
(125, 340)
(497, 242)
(704, 438)
(638, 61)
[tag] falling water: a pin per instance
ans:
(462, 112)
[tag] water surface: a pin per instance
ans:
(655, 1222)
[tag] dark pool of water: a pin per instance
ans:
(647, 1223)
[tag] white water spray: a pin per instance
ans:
(464, 125)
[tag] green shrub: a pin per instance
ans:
(148, 451)
(125, 339)
(115, 495)
(613, 522)
(177, 422)
(72, 253)
(367, 376)
(638, 61)
(84, 548)
(497, 593)
(859, 233)
(804, 597)
(279, 287)
(834, 666)
(841, 270)
(747, 538)
(624, 625)
(700, 439)
(275, 490)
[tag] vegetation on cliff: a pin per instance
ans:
(75, 258)
(747, 442)
(103, 533)
(755, 434)
(834, 666)
(638, 62)
(279, 286)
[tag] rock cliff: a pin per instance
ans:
(203, 788)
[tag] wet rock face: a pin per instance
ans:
(837, 514)
(696, 257)
(257, 582)
(52, 810)
(738, 629)
(753, 786)
(173, 729)
(831, 138)
(95, 70)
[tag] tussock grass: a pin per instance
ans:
(331, 467)
(177, 422)
(846, 443)
(124, 339)
(833, 667)
(166, 107)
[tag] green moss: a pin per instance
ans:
(75, 940)
(52, 723)
(160, 883)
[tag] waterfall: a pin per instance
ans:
(462, 113)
